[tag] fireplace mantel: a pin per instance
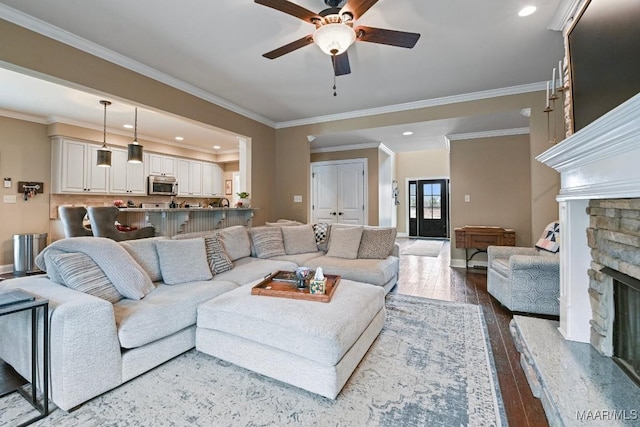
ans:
(600, 161)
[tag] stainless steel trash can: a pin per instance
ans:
(25, 249)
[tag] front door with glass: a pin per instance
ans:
(428, 203)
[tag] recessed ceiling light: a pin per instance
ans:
(216, 147)
(407, 133)
(179, 138)
(527, 10)
(127, 126)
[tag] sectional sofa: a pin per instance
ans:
(118, 310)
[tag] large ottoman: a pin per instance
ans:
(312, 345)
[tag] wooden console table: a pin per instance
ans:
(481, 237)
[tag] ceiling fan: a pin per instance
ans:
(334, 31)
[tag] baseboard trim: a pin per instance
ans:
(459, 263)
(8, 268)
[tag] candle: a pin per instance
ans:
(548, 95)
(553, 81)
(560, 74)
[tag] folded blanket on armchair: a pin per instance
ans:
(121, 269)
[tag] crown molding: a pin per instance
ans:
(564, 14)
(58, 34)
(362, 146)
(488, 134)
(21, 116)
(454, 99)
(386, 149)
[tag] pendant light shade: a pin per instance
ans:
(104, 154)
(134, 150)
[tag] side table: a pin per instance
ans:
(481, 237)
(33, 306)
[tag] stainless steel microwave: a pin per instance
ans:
(162, 185)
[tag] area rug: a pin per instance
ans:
(430, 248)
(430, 366)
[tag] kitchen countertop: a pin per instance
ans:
(183, 209)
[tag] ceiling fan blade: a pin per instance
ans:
(357, 8)
(341, 64)
(276, 53)
(388, 37)
(290, 9)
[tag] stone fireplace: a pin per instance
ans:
(614, 277)
(599, 203)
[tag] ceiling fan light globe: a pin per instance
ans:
(334, 38)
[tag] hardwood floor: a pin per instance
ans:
(433, 278)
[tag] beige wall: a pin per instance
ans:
(495, 173)
(417, 164)
(38, 54)
(371, 154)
(25, 155)
(292, 150)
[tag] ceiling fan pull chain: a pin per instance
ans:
(333, 61)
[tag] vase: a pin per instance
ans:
(245, 202)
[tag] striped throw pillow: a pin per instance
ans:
(80, 272)
(217, 257)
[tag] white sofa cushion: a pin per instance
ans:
(374, 271)
(166, 310)
(236, 241)
(249, 269)
(299, 239)
(344, 242)
(183, 261)
(318, 331)
(145, 253)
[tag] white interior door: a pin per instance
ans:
(325, 203)
(350, 193)
(338, 192)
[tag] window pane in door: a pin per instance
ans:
(412, 201)
(437, 207)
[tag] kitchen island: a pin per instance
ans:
(172, 221)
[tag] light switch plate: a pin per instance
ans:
(467, 198)
(297, 199)
(7, 183)
(11, 198)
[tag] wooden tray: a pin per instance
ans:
(271, 288)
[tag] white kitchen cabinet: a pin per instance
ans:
(189, 177)
(74, 169)
(162, 165)
(126, 178)
(211, 179)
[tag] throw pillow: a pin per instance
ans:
(377, 243)
(145, 253)
(322, 231)
(344, 242)
(217, 258)
(267, 241)
(299, 239)
(236, 241)
(183, 261)
(550, 239)
(80, 272)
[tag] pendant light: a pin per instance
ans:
(104, 154)
(134, 150)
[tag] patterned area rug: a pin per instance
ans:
(429, 248)
(430, 366)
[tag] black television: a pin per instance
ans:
(604, 58)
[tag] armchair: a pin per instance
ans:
(524, 279)
(103, 225)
